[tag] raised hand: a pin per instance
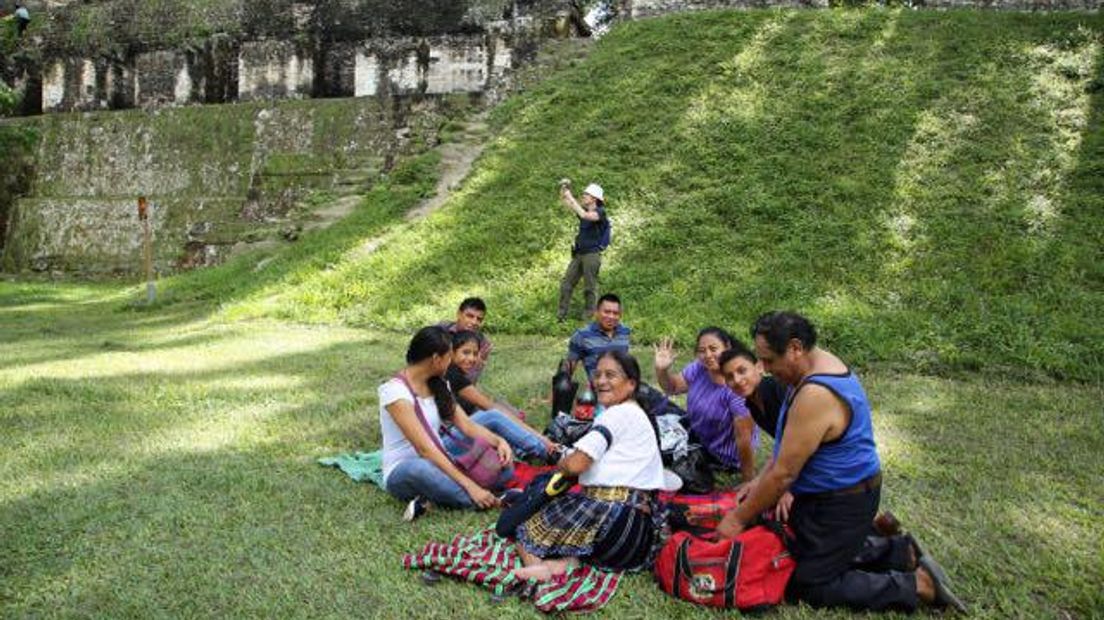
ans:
(664, 354)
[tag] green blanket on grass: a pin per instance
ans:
(360, 466)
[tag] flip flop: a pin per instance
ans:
(944, 597)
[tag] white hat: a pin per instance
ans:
(595, 190)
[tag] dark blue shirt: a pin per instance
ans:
(587, 343)
(592, 236)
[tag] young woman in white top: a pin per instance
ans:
(615, 522)
(414, 468)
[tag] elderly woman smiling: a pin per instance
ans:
(614, 523)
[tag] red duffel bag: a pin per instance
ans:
(749, 572)
(698, 514)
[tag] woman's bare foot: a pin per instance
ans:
(562, 566)
(546, 570)
(538, 572)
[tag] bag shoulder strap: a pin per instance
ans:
(685, 567)
(605, 433)
(421, 416)
(781, 532)
(732, 573)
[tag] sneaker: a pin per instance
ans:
(416, 508)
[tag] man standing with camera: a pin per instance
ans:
(590, 241)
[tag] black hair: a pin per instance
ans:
(779, 328)
(475, 303)
(718, 333)
(609, 297)
(738, 349)
(463, 337)
(427, 342)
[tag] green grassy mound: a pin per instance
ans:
(926, 186)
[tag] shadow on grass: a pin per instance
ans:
(196, 493)
(106, 417)
(999, 481)
(56, 327)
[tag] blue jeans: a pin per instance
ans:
(421, 477)
(524, 443)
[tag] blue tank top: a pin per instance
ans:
(847, 460)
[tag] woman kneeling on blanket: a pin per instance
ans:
(414, 468)
(615, 522)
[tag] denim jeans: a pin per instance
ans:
(421, 477)
(524, 443)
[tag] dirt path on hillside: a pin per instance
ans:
(457, 158)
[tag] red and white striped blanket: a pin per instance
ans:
(488, 560)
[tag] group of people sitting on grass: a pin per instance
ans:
(823, 478)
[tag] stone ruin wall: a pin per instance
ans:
(219, 179)
(120, 54)
(302, 114)
(224, 72)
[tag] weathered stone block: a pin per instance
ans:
(85, 235)
(77, 84)
(162, 78)
(274, 70)
(367, 74)
(337, 77)
(457, 65)
(405, 74)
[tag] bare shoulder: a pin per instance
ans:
(813, 399)
(825, 362)
(818, 406)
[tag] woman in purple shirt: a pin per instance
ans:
(718, 417)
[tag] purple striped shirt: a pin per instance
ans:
(713, 408)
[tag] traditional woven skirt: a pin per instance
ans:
(612, 527)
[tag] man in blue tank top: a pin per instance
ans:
(826, 462)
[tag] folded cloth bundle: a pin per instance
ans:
(489, 560)
(360, 466)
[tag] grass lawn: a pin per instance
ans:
(926, 185)
(161, 463)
